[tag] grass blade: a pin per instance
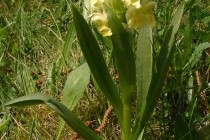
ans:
(4, 124)
(71, 33)
(197, 54)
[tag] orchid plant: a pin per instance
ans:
(138, 74)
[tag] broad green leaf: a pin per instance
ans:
(158, 78)
(75, 85)
(73, 90)
(74, 122)
(144, 62)
(96, 62)
(32, 99)
(182, 130)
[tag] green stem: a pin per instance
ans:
(126, 125)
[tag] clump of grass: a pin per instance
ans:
(32, 34)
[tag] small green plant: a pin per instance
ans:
(128, 26)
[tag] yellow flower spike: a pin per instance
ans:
(142, 16)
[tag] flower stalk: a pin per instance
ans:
(126, 126)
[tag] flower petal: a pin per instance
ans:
(99, 19)
(142, 16)
(104, 30)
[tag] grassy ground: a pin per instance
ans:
(32, 38)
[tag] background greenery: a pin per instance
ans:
(38, 50)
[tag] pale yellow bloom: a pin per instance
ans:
(141, 16)
(105, 31)
(100, 19)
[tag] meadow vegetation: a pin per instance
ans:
(40, 53)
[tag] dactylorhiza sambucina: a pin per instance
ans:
(136, 15)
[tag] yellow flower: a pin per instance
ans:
(100, 19)
(137, 17)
